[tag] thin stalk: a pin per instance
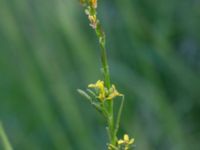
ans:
(91, 6)
(106, 91)
(105, 66)
(104, 60)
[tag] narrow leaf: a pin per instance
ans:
(84, 94)
(4, 139)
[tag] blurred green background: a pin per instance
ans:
(48, 50)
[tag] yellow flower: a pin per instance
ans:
(103, 92)
(113, 93)
(127, 141)
(100, 86)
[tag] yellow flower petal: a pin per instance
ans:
(120, 142)
(126, 138)
(101, 96)
(131, 141)
(101, 89)
(113, 93)
(98, 84)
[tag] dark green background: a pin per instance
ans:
(48, 50)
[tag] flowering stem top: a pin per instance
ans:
(102, 93)
(91, 12)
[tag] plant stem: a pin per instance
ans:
(91, 6)
(106, 72)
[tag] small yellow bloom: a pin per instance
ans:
(100, 86)
(103, 92)
(127, 141)
(113, 93)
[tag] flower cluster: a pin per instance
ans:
(99, 96)
(91, 12)
(122, 144)
(103, 93)
(91, 6)
(126, 142)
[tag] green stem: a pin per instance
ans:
(104, 61)
(108, 85)
(94, 22)
(105, 67)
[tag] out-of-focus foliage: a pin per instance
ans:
(47, 51)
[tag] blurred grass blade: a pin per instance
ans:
(119, 115)
(4, 139)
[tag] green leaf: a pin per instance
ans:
(84, 94)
